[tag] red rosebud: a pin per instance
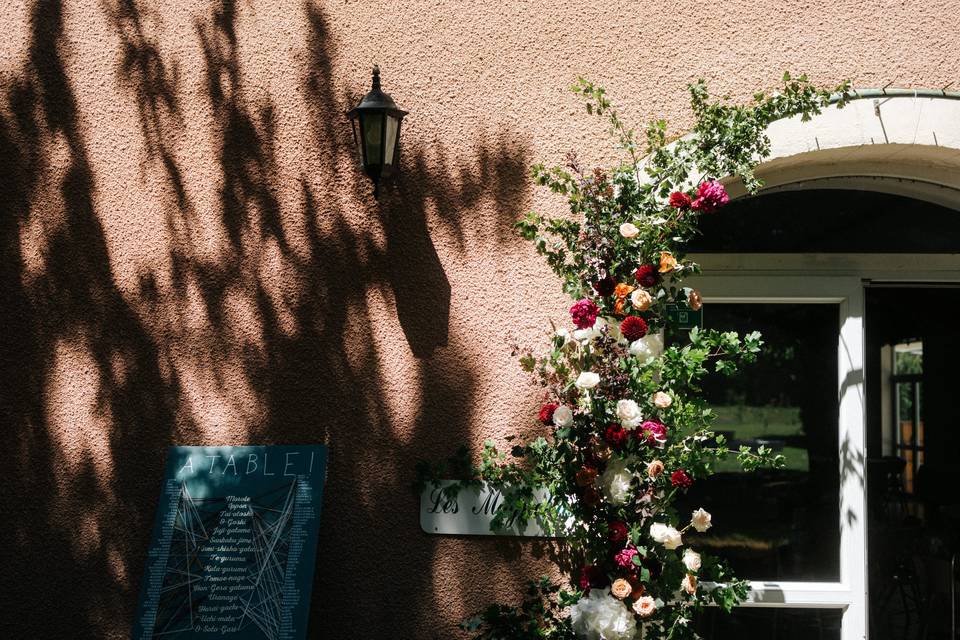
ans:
(592, 576)
(647, 275)
(680, 200)
(546, 413)
(615, 436)
(605, 286)
(633, 328)
(679, 478)
(618, 531)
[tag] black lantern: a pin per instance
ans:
(376, 130)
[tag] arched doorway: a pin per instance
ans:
(840, 258)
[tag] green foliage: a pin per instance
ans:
(600, 466)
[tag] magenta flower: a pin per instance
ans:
(584, 313)
(624, 557)
(653, 432)
(710, 196)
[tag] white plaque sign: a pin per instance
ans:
(471, 512)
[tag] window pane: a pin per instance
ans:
(771, 624)
(783, 524)
(829, 221)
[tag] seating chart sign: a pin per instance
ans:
(234, 544)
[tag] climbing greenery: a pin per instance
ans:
(625, 431)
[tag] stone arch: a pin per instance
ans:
(901, 142)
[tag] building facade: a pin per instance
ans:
(192, 256)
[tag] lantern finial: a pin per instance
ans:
(376, 77)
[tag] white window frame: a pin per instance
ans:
(827, 279)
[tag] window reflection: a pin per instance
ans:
(771, 624)
(783, 524)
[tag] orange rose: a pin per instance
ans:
(694, 301)
(586, 476)
(667, 262)
(620, 588)
(622, 290)
(591, 497)
(618, 306)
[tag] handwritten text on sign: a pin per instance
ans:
(471, 512)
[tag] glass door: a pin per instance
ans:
(913, 436)
(797, 533)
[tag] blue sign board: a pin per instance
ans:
(234, 544)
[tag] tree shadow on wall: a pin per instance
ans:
(319, 367)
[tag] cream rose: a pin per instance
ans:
(689, 583)
(620, 588)
(645, 606)
(615, 482)
(662, 400)
(666, 535)
(562, 416)
(691, 560)
(647, 348)
(654, 468)
(629, 413)
(587, 380)
(629, 230)
(701, 520)
(640, 299)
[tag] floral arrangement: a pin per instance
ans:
(625, 433)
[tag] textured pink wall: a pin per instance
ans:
(190, 255)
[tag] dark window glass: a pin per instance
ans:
(830, 221)
(783, 524)
(771, 624)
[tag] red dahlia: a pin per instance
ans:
(618, 531)
(679, 478)
(546, 412)
(680, 200)
(633, 328)
(647, 275)
(592, 576)
(615, 436)
(605, 286)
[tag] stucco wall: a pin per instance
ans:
(190, 256)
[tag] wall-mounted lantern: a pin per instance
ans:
(376, 130)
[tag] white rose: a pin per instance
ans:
(629, 413)
(701, 520)
(629, 230)
(564, 333)
(666, 535)
(587, 380)
(562, 416)
(584, 335)
(647, 348)
(661, 400)
(691, 560)
(615, 482)
(600, 616)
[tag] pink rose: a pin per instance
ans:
(584, 313)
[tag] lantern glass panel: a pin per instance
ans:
(373, 138)
(391, 139)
